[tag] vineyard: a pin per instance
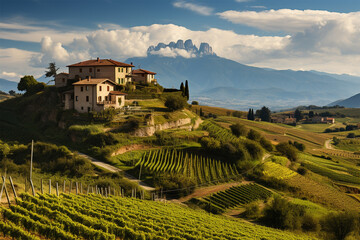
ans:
(238, 195)
(278, 171)
(95, 217)
(218, 132)
(193, 166)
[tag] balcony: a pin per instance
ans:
(106, 102)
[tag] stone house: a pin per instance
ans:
(96, 94)
(143, 76)
(61, 79)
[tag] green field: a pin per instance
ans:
(96, 217)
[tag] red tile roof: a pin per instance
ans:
(117, 93)
(139, 71)
(100, 62)
(93, 81)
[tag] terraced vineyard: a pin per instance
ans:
(96, 217)
(238, 195)
(200, 168)
(218, 132)
(278, 171)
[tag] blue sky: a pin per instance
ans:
(283, 34)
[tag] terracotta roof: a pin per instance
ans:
(117, 93)
(63, 73)
(100, 62)
(93, 81)
(139, 71)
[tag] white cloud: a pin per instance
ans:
(10, 74)
(203, 10)
(283, 19)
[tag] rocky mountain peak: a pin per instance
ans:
(204, 50)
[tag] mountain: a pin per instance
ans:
(218, 81)
(351, 102)
(6, 85)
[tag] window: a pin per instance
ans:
(118, 69)
(106, 98)
(87, 98)
(100, 88)
(108, 88)
(81, 89)
(90, 69)
(63, 80)
(118, 80)
(122, 69)
(76, 98)
(89, 109)
(98, 70)
(80, 69)
(82, 108)
(99, 98)
(87, 88)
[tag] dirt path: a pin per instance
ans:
(328, 144)
(113, 169)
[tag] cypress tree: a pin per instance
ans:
(249, 114)
(252, 115)
(182, 89)
(187, 90)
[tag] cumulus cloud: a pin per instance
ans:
(10, 74)
(283, 19)
(203, 10)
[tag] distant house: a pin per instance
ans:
(96, 94)
(61, 79)
(290, 120)
(318, 119)
(277, 120)
(330, 120)
(143, 76)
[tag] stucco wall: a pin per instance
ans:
(61, 80)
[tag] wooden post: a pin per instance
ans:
(49, 186)
(25, 184)
(6, 192)
(102, 191)
(42, 187)
(81, 188)
(57, 189)
(31, 158)
(106, 192)
(64, 186)
(76, 184)
(88, 188)
(96, 189)
(140, 172)
(32, 188)
(12, 186)
(2, 188)
(92, 189)
(70, 187)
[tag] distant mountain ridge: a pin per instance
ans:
(204, 50)
(222, 82)
(6, 85)
(351, 102)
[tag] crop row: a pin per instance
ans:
(238, 195)
(193, 166)
(218, 132)
(278, 171)
(81, 216)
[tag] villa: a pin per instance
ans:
(95, 84)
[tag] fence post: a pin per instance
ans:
(49, 186)
(6, 192)
(76, 184)
(12, 186)
(57, 189)
(2, 189)
(88, 188)
(32, 188)
(70, 187)
(64, 186)
(81, 188)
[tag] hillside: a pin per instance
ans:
(351, 102)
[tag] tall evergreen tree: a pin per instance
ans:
(182, 89)
(249, 114)
(252, 114)
(265, 114)
(297, 115)
(52, 69)
(187, 95)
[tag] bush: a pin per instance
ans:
(310, 223)
(287, 150)
(175, 102)
(101, 140)
(166, 139)
(340, 225)
(266, 144)
(254, 135)
(252, 210)
(302, 170)
(194, 103)
(237, 114)
(239, 130)
(351, 135)
(210, 143)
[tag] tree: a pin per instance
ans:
(298, 115)
(201, 112)
(287, 150)
(187, 95)
(30, 85)
(52, 69)
(182, 89)
(254, 135)
(249, 114)
(175, 102)
(252, 116)
(239, 130)
(12, 92)
(311, 114)
(340, 225)
(265, 114)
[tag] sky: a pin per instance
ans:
(322, 35)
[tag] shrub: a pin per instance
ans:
(252, 210)
(302, 170)
(340, 225)
(210, 143)
(351, 135)
(266, 144)
(254, 135)
(101, 140)
(166, 139)
(175, 102)
(194, 103)
(287, 150)
(237, 114)
(310, 223)
(238, 129)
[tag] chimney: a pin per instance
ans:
(98, 59)
(131, 63)
(89, 78)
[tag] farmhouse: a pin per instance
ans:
(94, 84)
